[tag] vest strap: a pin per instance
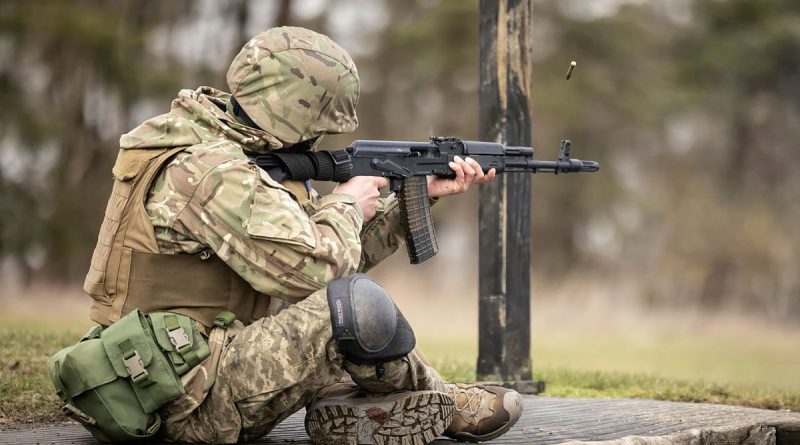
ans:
(191, 286)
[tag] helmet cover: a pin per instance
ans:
(296, 84)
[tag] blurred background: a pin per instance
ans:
(681, 257)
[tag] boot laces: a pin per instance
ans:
(471, 401)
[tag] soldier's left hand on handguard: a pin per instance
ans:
(467, 171)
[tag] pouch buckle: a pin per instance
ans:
(135, 367)
(76, 414)
(178, 338)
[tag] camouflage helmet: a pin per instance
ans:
(296, 84)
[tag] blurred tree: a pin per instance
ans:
(72, 72)
(740, 61)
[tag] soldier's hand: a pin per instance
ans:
(365, 189)
(467, 171)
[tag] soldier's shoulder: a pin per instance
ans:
(199, 160)
(214, 165)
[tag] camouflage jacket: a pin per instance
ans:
(211, 197)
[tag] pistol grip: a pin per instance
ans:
(415, 211)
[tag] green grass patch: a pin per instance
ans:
(569, 382)
(611, 384)
(26, 394)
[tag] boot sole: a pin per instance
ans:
(411, 418)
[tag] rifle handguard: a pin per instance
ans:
(415, 211)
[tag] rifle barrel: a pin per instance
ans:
(557, 166)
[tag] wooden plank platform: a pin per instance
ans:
(550, 421)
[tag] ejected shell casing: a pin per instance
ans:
(571, 68)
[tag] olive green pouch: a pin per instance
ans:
(85, 380)
(115, 379)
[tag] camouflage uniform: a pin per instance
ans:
(286, 242)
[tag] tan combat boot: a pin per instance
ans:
(482, 412)
(413, 417)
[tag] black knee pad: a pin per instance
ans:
(367, 325)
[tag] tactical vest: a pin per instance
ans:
(128, 272)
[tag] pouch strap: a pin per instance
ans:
(133, 362)
(224, 319)
(61, 390)
(92, 333)
(75, 414)
(180, 339)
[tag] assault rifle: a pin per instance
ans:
(407, 164)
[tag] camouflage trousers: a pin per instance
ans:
(272, 368)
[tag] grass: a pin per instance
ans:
(26, 394)
(456, 360)
(570, 383)
(562, 382)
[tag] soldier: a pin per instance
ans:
(193, 227)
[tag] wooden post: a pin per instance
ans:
(505, 215)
